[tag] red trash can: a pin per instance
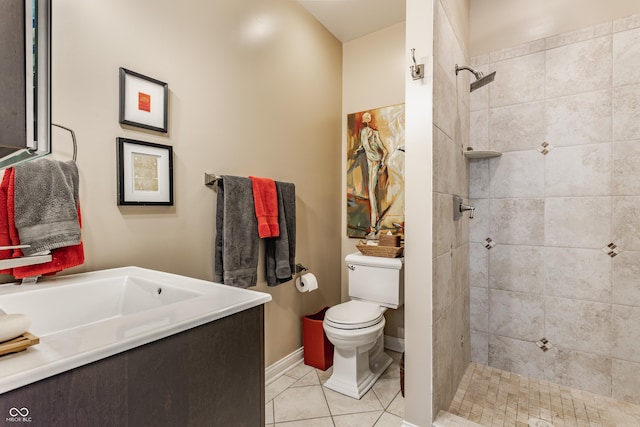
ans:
(318, 350)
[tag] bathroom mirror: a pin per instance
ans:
(25, 70)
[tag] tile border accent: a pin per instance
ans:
(488, 243)
(611, 249)
(544, 148)
(544, 344)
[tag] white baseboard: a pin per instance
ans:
(275, 371)
(394, 344)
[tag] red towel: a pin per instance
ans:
(265, 199)
(61, 258)
(5, 239)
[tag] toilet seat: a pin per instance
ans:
(354, 315)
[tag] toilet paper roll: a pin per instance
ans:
(307, 283)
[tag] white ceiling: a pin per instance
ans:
(350, 19)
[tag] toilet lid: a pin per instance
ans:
(354, 315)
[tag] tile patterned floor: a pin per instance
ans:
(492, 397)
(298, 399)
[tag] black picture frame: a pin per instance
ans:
(144, 101)
(145, 173)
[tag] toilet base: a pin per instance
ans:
(354, 375)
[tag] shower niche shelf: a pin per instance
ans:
(481, 154)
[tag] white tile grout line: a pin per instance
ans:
(331, 415)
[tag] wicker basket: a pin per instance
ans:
(381, 251)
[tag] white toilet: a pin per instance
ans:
(355, 328)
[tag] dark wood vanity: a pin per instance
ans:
(211, 375)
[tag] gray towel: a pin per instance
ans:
(236, 243)
(46, 204)
(280, 252)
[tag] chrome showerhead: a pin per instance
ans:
(484, 80)
(481, 79)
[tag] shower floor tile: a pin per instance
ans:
(492, 397)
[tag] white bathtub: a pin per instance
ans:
(86, 317)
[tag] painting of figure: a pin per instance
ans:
(375, 171)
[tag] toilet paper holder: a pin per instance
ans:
(300, 268)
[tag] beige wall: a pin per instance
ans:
(372, 76)
(254, 90)
(496, 24)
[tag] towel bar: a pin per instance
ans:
(73, 138)
(211, 178)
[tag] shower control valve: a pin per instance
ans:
(471, 209)
(459, 207)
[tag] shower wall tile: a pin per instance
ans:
(461, 273)
(583, 274)
(579, 35)
(579, 119)
(626, 168)
(516, 315)
(626, 23)
(626, 222)
(517, 268)
(519, 50)
(516, 127)
(461, 227)
(583, 170)
(450, 276)
(626, 377)
(460, 266)
(479, 347)
(478, 179)
(579, 370)
(463, 123)
(451, 355)
(480, 60)
(517, 174)
(626, 57)
(626, 110)
(626, 333)
(448, 164)
(513, 355)
(479, 130)
(478, 265)
(447, 51)
(445, 101)
(444, 232)
(520, 80)
(577, 222)
(479, 309)
(517, 221)
(443, 286)
(546, 274)
(578, 67)
(626, 278)
(479, 225)
(578, 325)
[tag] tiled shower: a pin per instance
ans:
(555, 242)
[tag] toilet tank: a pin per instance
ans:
(376, 279)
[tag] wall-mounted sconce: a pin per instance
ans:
(417, 70)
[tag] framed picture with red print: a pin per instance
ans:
(143, 101)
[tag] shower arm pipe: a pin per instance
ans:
(478, 74)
